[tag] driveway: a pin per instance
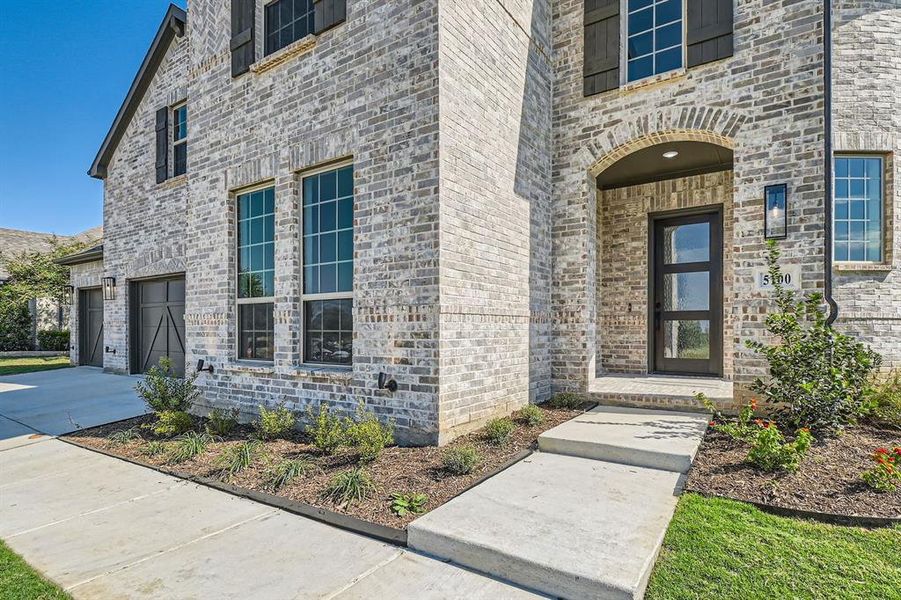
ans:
(104, 528)
(63, 400)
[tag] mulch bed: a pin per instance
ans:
(397, 469)
(828, 480)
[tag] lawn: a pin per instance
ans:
(18, 581)
(14, 366)
(724, 549)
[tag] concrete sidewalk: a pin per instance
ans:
(104, 528)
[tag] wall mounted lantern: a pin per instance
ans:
(201, 368)
(69, 294)
(385, 382)
(775, 216)
(109, 288)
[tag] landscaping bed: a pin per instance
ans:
(394, 470)
(828, 480)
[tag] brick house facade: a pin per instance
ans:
(500, 244)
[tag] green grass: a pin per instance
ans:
(18, 581)
(14, 366)
(722, 549)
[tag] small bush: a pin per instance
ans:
(326, 431)
(162, 391)
(498, 431)
(566, 400)
(222, 423)
(770, 451)
(238, 457)
(189, 446)
(15, 323)
(886, 475)
(462, 460)
(741, 429)
(350, 486)
(172, 422)
(884, 400)
(53, 340)
(125, 436)
(154, 448)
(368, 435)
(274, 424)
(287, 471)
(531, 415)
(408, 504)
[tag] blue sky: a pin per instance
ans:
(65, 68)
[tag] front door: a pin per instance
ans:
(160, 329)
(90, 342)
(686, 316)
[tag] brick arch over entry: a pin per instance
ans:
(715, 126)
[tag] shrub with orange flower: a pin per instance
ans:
(886, 474)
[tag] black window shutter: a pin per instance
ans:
(328, 13)
(162, 144)
(242, 47)
(601, 57)
(709, 31)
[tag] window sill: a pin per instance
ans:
(298, 48)
(255, 368)
(653, 80)
(862, 267)
(173, 182)
(336, 373)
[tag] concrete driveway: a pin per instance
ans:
(63, 400)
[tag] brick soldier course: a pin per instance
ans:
(488, 268)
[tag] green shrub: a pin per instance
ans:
(286, 471)
(52, 340)
(739, 429)
(326, 431)
(818, 376)
(884, 400)
(123, 437)
(368, 435)
(162, 391)
(238, 457)
(222, 423)
(462, 460)
(154, 448)
(350, 486)
(498, 431)
(770, 451)
(566, 400)
(885, 476)
(188, 446)
(531, 415)
(274, 423)
(15, 324)
(172, 422)
(408, 504)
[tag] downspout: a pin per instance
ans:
(827, 170)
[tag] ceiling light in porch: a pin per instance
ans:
(670, 154)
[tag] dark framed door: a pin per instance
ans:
(90, 327)
(158, 324)
(686, 293)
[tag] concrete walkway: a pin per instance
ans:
(583, 518)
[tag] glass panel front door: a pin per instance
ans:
(686, 294)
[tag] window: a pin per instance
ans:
(857, 212)
(256, 273)
(654, 37)
(180, 139)
(286, 22)
(328, 266)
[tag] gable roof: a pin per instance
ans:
(173, 25)
(14, 242)
(88, 255)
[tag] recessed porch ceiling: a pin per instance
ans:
(649, 164)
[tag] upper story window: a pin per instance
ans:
(288, 21)
(858, 208)
(655, 37)
(180, 140)
(256, 273)
(328, 266)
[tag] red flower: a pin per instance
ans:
(712, 423)
(881, 451)
(759, 422)
(753, 403)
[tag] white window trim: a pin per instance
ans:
(885, 216)
(624, 45)
(236, 275)
(174, 109)
(304, 297)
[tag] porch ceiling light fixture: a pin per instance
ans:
(670, 154)
(69, 294)
(775, 216)
(109, 288)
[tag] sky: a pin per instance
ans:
(65, 68)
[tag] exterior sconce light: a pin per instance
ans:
(201, 368)
(775, 216)
(69, 294)
(386, 383)
(109, 288)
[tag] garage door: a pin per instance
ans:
(160, 324)
(90, 343)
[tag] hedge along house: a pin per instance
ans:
(449, 208)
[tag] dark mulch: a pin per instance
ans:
(397, 469)
(828, 480)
